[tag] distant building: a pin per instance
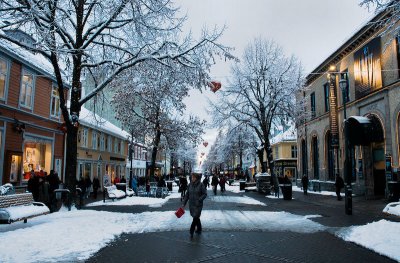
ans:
(102, 148)
(284, 152)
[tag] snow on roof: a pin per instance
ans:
(288, 135)
(88, 118)
(35, 61)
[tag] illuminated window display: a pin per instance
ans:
(37, 157)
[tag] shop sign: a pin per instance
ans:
(388, 166)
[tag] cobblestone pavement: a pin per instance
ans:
(239, 246)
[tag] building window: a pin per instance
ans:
(276, 152)
(304, 164)
(102, 142)
(346, 95)
(84, 140)
(115, 145)
(326, 96)
(313, 109)
(109, 143)
(55, 103)
(27, 83)
(294, 151)
(122, 148)
(3, 78)
(315, 156)
(94, 140)
(330, 156)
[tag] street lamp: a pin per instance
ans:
(343, 84)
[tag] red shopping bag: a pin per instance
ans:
(179, 212)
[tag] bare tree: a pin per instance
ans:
(389, 11)
(261, 93)
(149, 101)
(107, 36)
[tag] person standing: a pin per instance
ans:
(88, 186)
(33, 185)
(96, 186)
(196, 193)
(214, 183)
(304, 182)
(134, 185)
(339, 184)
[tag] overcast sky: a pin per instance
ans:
(308, 29)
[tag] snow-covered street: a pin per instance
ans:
(78, 234)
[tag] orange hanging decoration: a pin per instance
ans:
(205, 144)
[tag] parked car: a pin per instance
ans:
(263, 183)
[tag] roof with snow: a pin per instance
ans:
(35, 61)
(94, 121)
(288, 135)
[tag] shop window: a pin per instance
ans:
(27, 85)
(15, 167)
(294, 151)
(4, 68)
(122, 147)
(55, 102)
(276, 152)
(37, 157)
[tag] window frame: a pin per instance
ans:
(327, 97)
(313, 105)
(32, 101)
(94, 140)
(6, 78)
(85, 139)
(57, 98)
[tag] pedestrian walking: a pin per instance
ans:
(304, 182)
(222, 182)
(54, 183)
(196, 193)
(96, 186)
(205, 182)
(339, 184)
(214, 183)
(183, 184)
(134, 185)
(88, 186)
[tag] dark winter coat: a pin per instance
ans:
(196, 193)
(96, 183)
(214, 181)
(339, 183)
(304, 181)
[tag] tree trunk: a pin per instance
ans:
(154, 154)
(260, 153)
(71, 161)
(271, 165)
(241, 164)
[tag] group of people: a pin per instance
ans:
(339, 184)
(86, 186)
(215, 181)
(42, 187)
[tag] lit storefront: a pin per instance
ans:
(37, 155)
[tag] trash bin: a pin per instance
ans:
(242, 185)
(169, 186)
(394, 191)
(286, 191)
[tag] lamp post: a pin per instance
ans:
(343, 84)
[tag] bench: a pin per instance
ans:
(114, 193)
(17, 207)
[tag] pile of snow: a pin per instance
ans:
(327, 193)
(383, 237)
(78, 234)
(113, 192)
(137, 200)
(236, 199)
(234, 188)
(392, 209)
